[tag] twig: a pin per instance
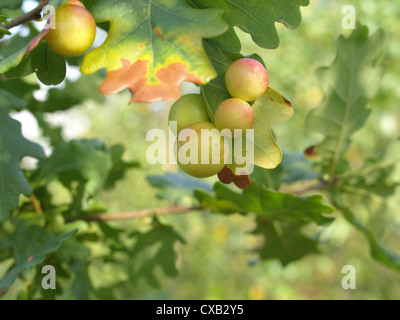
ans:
(33, 14)
(368, 170)
(163, 211)
(36, 204)
(319, 186)
(132, 214)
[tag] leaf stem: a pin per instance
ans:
(319, 186)
(341, 137)
(279, 232)
(36, 204)
(368, 170)
(33, 14)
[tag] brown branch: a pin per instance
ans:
(31, 15)
(298, 192)
(132, 214)
(170, 210)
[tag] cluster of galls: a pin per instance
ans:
(246, 80)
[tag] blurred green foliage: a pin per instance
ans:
(215, 262)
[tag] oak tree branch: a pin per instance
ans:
(31, 15)
(132, 214)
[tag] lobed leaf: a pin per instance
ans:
(119, 166)
(351, 81)
(268, 204)
(49, 66)
(13, 147)
(12, 5)
(256, 17)
(87, 161)
(152, 249)
(152, 46)
(271, 108)
(279, 217)
(30, 249)
(20, 60)
(283, 241)
(379, 250)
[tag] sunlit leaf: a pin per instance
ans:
(351, 81)
(268, 204)
(257, 17)
(153, 46)
(13, 147)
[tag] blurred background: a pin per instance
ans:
(215, 262)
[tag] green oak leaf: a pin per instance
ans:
(35, 56)
(283, 241)
(21, 89)
(152, 249)
(351, 81)
(13, 147)
(18, 62)
(16, 59)
(265, 203)
(279, 217)
(152, 46)
(229, 41)
(379, 250)
(30, 249)
(257, 17)
(4, 31)
(294, 167)
(82, 285)
(12, 5)
(17, 65)
(119, 166)
(271, 108)
(85, 88)
(49, 66)
(269, 178)
(86, 161)
(3, 19)
(367, 199)
(175, 187)
(177, 180)
(379, 175)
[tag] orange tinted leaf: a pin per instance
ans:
(170, 79)
(153, 46)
